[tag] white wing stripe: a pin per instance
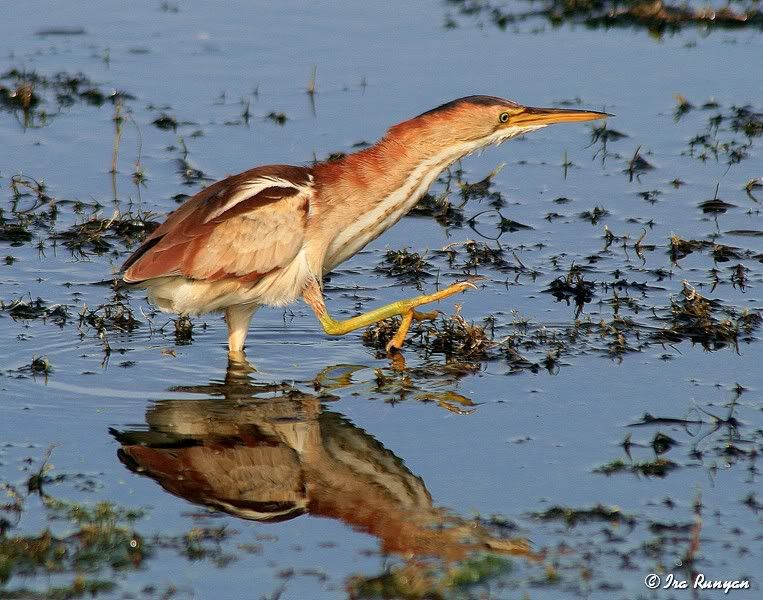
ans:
(252, 188)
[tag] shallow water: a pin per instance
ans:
(522, 439)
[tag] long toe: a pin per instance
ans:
(396, 343)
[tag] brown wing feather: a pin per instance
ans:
(225, 232)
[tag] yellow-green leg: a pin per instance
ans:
(404, 308)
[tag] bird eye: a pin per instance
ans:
(504, 118)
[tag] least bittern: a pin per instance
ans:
(268, 236)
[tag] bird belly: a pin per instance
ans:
(186, 296)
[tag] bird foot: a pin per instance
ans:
(396, 343)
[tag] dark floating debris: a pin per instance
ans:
(478, 254)
(183, 330)
(679, 248)
(574, 516)
(40, 366)
(659, 467)
(62, 31)
(594, 215)
(715, 206)
(481, 190)
(572, 287)
(745, 232)
(441, 209)
(165, 122)
(637, 165)
(29, 310)
(278, 118)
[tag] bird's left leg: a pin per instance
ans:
(238, 318)
(404, 308)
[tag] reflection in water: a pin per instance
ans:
(271, 453)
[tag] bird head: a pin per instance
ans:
(477, 121)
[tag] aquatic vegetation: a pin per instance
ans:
(659, 467)
(441, 209)
(657, 17)
(97, 235)
(572, 287)
(705, 322)
(729, 134)
(637, 165)
(36, 99)
(574, 516)
(405, 266)
(451, 335)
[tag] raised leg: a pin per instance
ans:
(238, 318)
(314, 298)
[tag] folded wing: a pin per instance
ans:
(242, 227)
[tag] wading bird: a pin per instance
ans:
(268, 235)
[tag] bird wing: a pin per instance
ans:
(242, 227)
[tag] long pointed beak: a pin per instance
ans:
(546, 116)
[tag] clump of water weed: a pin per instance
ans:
(594, 215)
(659, 467)
(30, 95)
(114, 316)
(29, 310)
(40, 365)
(441, 209)
(165, 122)
(679, 248)
(481, 189)
(573, 516)
(404, 265)
(478, 254)
(694, 317)
(183, 330)
(729, 134)
(96, 235)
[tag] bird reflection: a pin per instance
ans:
(271, 453)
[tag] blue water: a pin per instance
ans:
(533, 440)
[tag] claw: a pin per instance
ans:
(469, 283)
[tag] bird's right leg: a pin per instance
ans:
(313, 295)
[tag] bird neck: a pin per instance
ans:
(364, 194)
(397, 170)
